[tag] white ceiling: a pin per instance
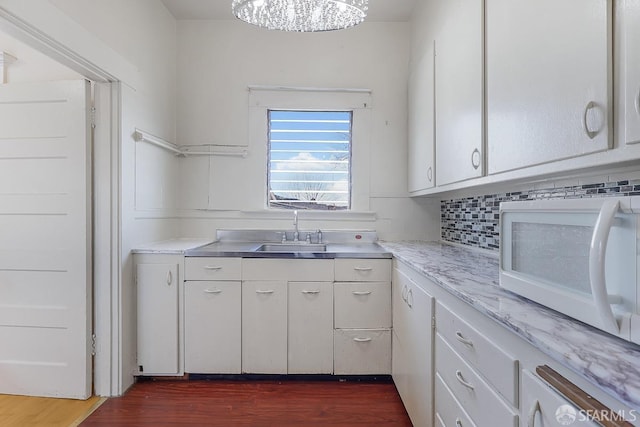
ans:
(379, 10)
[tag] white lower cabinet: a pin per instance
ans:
(310, 340)
(412, 348)
(542, 406)
(362, 351)
(212, 325)
(264, 326)
(158, 324)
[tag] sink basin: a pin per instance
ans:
(292, 247)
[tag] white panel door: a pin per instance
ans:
(547, 80)
(264, 327)
(310, 343)
(422, 122)
(45, 239)
(630, 84)
(459, 92)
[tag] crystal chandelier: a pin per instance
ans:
(301, 15)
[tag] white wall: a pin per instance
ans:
(218, 60)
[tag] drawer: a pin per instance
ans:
(290, 270)
(212, 268)
(362, 351)
(499, 368)
(538, 395)
(362, 305)
(363, 270)
(449, 412)
(483, 404)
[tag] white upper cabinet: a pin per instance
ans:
(422, 122)
(548, 80)
(630, 82)
(459, 92)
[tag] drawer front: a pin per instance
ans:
(212, 268)
(362, 351)
(290, 270)
(499, 368)
(362, 305)
(484, 406)
(363, 270)
(449, 412)
(540, 404)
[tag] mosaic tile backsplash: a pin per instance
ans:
(474, 220)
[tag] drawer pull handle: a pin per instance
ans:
(270, 291)
(212, 267)
(213, 291)
(531, 422)
(463, 340)
(462, 381)
(362, 339)
(458, 422)
(362, 268)
(311, 292)
(360, 293)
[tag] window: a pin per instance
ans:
(309, 159)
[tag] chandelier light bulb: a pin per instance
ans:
(301, 15)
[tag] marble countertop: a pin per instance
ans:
(172, 246)
(610, 363)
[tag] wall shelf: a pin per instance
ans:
(190, 150)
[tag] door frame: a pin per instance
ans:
(106, 190)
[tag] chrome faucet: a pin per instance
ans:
(295, 226)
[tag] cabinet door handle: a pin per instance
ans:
(362, 268)
(169, 278)
(212, 267)
(405, 290)
(463, 340)
(311, 292)
(361, 293)
(410, 298)
(430, 173)
(591, 134)
(462, 381)
(356, 339)
(269, 291)
(458, 422)
(213, 291)
(475, 158)
(531, 421)
(638, 102)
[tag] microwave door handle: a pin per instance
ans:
(597, 253)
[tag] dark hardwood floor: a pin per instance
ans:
(253, 403)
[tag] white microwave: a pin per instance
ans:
(577, 256)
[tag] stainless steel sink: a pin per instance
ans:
(292, 247)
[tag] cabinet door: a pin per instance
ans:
(422, 122)
(420, 356)
(547, 80)
(544, 407)
(264, 327)
(413, 347)
(310, 328)
(459, 92)
(212, 327)
(630, 85)
(157, 306)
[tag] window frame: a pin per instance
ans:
(358, 101)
